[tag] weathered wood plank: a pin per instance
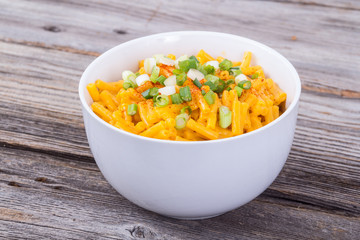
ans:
(50, 187)
(64, 204)
(324, 50)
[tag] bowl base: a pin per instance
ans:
(195, 218)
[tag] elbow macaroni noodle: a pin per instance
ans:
(253, 108)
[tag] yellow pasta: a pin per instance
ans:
(93, 91)
(192, 110)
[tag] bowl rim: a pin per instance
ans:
(291, 107)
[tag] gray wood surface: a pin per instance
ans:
(50, 186)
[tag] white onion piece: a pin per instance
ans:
(167, 61)
(128, 76)
(149, 64)
(142, 79)
(215, 64)
(182, 58)
(167, 91)
(193, 73)
(170, 81)
(239, 78)
(157, 57)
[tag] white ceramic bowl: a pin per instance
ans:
(190, 180)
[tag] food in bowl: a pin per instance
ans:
(189, 98)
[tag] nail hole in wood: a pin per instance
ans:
(118, 31)
(52, 29)
(58, 187)
(41, 179)
(15, 184)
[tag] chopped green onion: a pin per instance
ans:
(128, 84)
(180, 79)
(194, 58)
(128, 76)
(161, 101)
(234, 70)
(154, 74)
(237, 72)
(209, 69)
(212, 78)
(152, 92)
(132, 109)
(230, 81)
(210, 97)
(220, 86)
(177, 71)
(175, 99)
(238, 90)
(203, 92)
(185, 93)
(197, 83)
(185, 65)
(229, 88)
(180, 121)
(245, 84)
(137, 74)
(187, 108)
(161, 79)
(225, 64)
(211, 85)
(201, 68)
(255, 75)
(224, 116)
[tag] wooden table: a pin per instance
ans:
(50, 186)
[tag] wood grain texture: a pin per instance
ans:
(64, 204)
(50, 186)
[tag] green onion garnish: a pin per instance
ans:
(187, 108)
(161, 79)
(230, 81)
(184, 66)
(209, 69)
(128, 84)
(255, 75)
(220, 86)
(152, 92)
(154, 74)
(161, 101)
(225, 64)
(224, 116)
(185, 93)
(203, 92)
(211, 85)
(210, 97)
(245, 84)
(180, 79)
(238, 90)
(236, 72)
(176, 99)
(180, 121)
(212, 78)
(229, 88)
(201, 68)
(177, 71)
(194, 58)
(197, 83)
(132, 109)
